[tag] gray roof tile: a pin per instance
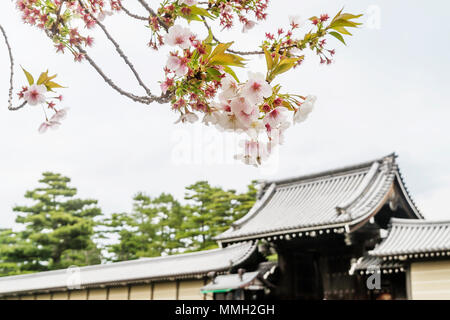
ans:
(414, 236)
(174, 266)
(324, 200)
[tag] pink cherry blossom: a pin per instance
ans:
(275, 117)
(48, 124)
(103, 14)
(245, 112)
(178, 65)
(295, 22)
(179, 36)
(60, 115)
(35, 94)
(166, 85)
(254, 153)
(248, 25)
(227, 121)
(229, 88)
(305, 109)
(256, 88)
(188, 2)
(211, 118)
(187, 117)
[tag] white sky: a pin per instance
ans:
(387, 91)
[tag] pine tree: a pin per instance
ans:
(58, 228)
(245, 201)
(8, 266)
(150, 230)
(209, 213)
(162, 225)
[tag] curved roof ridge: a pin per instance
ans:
(361, 190)
(180, 256)
(406, 192)
(257, 206)
(331, 172)
(412, 238)
(317, 201)
(418, 222)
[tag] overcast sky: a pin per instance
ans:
(387, 91)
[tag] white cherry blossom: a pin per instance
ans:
(296, 21)
(48, 124)
(179, 36)
(188, 2)
(229, 88)
(35, 94)
(305, 109)
(254, 153)
(248, 26)
(178, 65)
(244, 111)
(276, 117)
(256, 88)
(188, 117)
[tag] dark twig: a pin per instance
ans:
(135, 16)
(119, 50)
(243, 53)
(153, 14)
(11, 74)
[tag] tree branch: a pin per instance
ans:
(11, 74)
(153, 14)
(135, 16)
(243, 53)
(119, 51)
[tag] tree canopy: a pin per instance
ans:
(57, 230)
(200, 77)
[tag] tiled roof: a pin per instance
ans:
(408, 237)
(329, 199)
(176, 266)
(368, 264)
(230, 282)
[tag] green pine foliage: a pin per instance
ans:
(57, 229)
(149, 230)
(164, 226)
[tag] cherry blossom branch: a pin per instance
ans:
(153, 14)
(119, 50)
(58, 17)
(11, 74)
(141, 99)
(230, 50)
(135, 16)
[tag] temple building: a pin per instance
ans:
(348, 233)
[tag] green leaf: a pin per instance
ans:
(200, 11)
(207, 42)
(221, 48)
(348, 16)
(231, 72)
(192, 17)
(338, 36)
(50, 85)
(214, 73)
(43, 77)
(288, 105)
(29, 76)
(344, 23)
(285, 65)
(269, 60)
(342, 30)
(209, 38)
(226, 59)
